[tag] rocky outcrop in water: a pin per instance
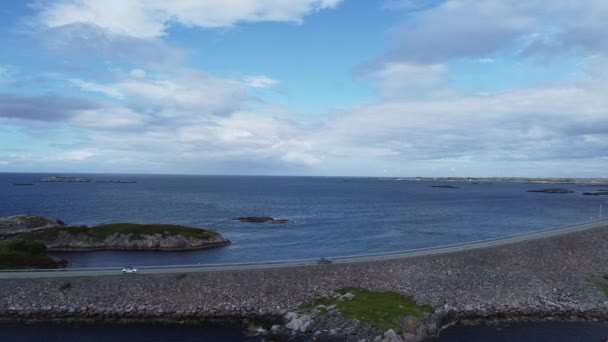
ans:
(19, 224)
(553, 191)
(261, 219)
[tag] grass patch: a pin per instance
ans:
(180, 276)
(24, 260)
(99, 233)
(384, 309)
(16, 254)
(65, 286)
(601, 285)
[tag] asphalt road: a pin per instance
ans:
(74, 272)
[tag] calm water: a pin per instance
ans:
(513, 332)
(333, 216)
(528, 332)
(53, 332)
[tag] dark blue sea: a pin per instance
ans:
(332, 216)
(504, 332)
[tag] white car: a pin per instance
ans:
(129, 270)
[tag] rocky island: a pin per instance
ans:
(27, 239)
(62, 179)
(599, 193)
(125, 236)
(553, 191)
(261, 219)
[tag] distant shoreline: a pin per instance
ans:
(565, 180)
(540, 180)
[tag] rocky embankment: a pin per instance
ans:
(19, 224)
(561, 276)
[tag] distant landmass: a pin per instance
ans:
(62, 179)
(601, 181)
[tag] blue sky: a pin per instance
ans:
(307, 87)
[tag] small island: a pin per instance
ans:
(63, 179)
(28, 238)
(599, 193)
(261, 219)
(445, 186)
(126, 236)
(553, 191)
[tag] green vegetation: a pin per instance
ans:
(99, 233)
(65, 286)
(16, 253)
(384, 309)
(602, 285)
(180, 276)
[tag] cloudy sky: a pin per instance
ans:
(305, 87)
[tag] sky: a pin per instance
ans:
(305, 87)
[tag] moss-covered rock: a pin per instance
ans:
(389, 310)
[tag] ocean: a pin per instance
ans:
(331, 216)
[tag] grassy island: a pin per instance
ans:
(126, 236)
(134, 230)
(28, 249)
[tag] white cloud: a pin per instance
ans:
(175, 119)
(150, 18)
(98, 88)
(7, 73)
(477, 29)
(72, 156)
(409, 80)
(522, 132)
(138, 73)
(182, 93)
(260, 81)
(110, 117)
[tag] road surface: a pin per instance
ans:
(79, 272)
